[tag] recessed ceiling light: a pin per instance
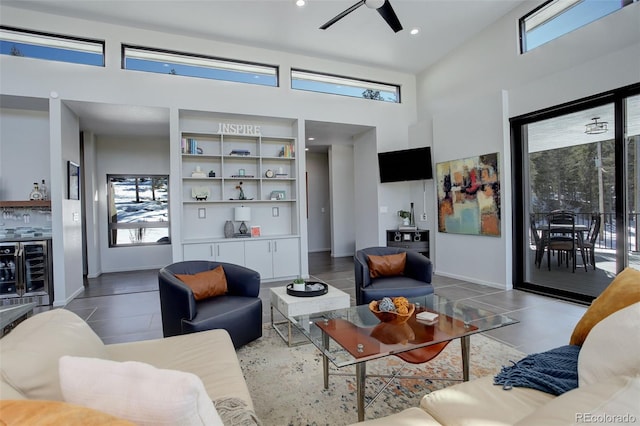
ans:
(300, 3)
(311, 139)
(415, 31)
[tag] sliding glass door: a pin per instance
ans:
(580, 159)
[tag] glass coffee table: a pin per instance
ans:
(354, 335)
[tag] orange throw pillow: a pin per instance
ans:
(206, 284)
(623, 291)
(389, 265)
(54, 413)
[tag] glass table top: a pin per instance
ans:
(352, 335)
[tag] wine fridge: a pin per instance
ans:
(25, 273)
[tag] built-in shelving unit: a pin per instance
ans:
(213, 166)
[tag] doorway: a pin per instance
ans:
(580, 159)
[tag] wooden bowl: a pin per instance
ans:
(391, 317)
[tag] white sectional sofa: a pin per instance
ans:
(30, 359)
(608, 389)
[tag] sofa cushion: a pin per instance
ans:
(623, 291)
(611, 401)
(138, 392)
(619, 334)
(413, 416)
(206, 284)
(480, 402)
(387, 265)
(208, 354)
(54, 413)
(30, 353)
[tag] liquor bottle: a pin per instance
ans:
(43, 190)
(412, 217)
(35, 193)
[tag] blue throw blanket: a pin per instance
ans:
(554, 371)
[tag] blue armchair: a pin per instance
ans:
(239, 311)
(415, 280)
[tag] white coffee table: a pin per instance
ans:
(289, 306)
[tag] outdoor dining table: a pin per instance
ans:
(561, 228)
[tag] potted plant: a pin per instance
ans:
(299, 284)
(405, 215)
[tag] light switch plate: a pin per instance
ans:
(202, 213)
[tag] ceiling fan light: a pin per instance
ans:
(374, 4)
(300, 3)
(597, 127)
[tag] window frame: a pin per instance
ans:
(229, 65)
(562, 6)
(363, 84)
(61, 38)
(115, 226)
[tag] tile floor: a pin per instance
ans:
(125, 306)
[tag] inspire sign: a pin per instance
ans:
(239, 129)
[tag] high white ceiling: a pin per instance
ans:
(361, 37)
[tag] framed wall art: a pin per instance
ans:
(469, 196)
(73, 181)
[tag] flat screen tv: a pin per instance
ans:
(405, 165)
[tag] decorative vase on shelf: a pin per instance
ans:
(405, 221)
(228, 229)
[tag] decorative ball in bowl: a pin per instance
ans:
(399, 316)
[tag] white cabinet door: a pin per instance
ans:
(203, 251)
(286, 258)
(259, 257)
(231, 252)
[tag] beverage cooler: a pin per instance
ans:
(25, 273)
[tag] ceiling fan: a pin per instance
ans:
(382, 6)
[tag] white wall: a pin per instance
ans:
(466, 88)
(319, 220)
(366, 182)
(24, 139)
(143, 156)
(341, 181)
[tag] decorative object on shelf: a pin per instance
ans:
(242, 214)
(35, 194)
(281, 174)
(212, 174)
(299, 284)
(229, 230)
(241, 195)
(190, 146)
(200, 193)
(241, 172)
(287, 151)
(269, 173)
(198, 173)
(73, 181)
(255, 231)
(242, 152)
(311, 289)
(278, 195)
(597, 127)
(412, 217)
(406, 217)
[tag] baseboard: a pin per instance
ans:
(472, 280)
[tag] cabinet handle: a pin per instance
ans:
(275, 246)
(211, 250)
(269, 246)
(218, 250)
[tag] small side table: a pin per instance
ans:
(289, 306)
(14, 315)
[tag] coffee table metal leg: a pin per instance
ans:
(325, 360)
(465, 343)
(361, 375)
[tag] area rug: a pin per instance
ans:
(287, 387)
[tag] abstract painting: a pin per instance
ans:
(469, 196)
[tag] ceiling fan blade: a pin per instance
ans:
(342, 15)
(386, 11)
